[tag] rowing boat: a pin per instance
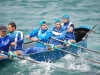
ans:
(81, 34)
(49, 56)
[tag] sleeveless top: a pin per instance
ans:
(70, 35)
(41, 35)
(15, 36)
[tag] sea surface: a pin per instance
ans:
(27, 14)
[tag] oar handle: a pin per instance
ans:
(28, 42)
(8, 53)
(72, 44)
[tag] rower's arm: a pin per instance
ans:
(71, 28)
(33, 33)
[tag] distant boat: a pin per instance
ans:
(49, 56)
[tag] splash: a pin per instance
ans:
(75, 63)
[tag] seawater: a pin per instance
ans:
(27, 14)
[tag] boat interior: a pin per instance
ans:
(80, 33)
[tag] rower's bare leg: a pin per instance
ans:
(18, 52)
(52, 49)
(59, 46)
(1, 57)
(70, 41)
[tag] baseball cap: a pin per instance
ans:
(57, 20)
(66, 16)
(3, 28)
(42, 22)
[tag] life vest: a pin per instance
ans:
(70, 35)
(41, 35)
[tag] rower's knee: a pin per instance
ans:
(18, 52)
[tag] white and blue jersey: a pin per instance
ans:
(17, 36)
(4, 45)
(68, 35)
(58, 34)
(43, 35)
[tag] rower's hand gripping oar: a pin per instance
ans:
(20, 57)
(75, 45)
(56, 48)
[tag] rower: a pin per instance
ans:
(69, 27)
(17, 39)
(40, 34)
(58, 33)
(5, 42)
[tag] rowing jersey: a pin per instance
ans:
(58, 34)
(17, 36)
(68, 35)
(5, 43)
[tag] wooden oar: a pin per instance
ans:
(75, 45)
(28, 42)
(20, 57)
(31, 60)
(79, 56)
(71, 53)
(85, 37)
